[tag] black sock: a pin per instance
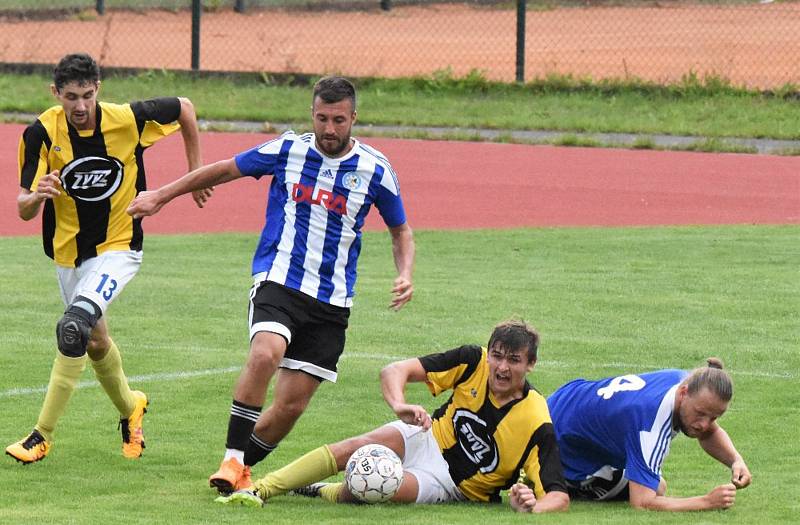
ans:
(257, 449)
(240, 425)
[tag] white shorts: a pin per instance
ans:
(100, 279)
(425, 461)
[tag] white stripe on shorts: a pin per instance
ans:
(271, 326)
(310, 368)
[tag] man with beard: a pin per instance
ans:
(614, 434)
(304, 269)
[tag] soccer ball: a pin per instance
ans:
(373, 473)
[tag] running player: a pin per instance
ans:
(614, 435)
(471, 449)
(323, 185)
(82, 160)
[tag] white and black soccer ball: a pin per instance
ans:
(373, 473)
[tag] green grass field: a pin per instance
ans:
(606, 301)
(689, 108)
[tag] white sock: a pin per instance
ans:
(233, 453)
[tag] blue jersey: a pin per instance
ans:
(317, 206)
(625, 422)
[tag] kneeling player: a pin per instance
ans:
(472, 448)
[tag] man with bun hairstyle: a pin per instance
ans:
(614, 434)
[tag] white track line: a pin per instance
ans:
(177, 376)
(147, 378)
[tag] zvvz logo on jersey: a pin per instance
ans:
(475, 440)
(92, 178)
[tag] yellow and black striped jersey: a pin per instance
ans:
(486, 445)
(101, 172)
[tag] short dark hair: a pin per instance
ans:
(515, 334)
(712, 377)
(76, 67)
(334, 89)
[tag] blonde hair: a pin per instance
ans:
(713, 377)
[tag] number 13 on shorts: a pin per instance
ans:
(106, 286)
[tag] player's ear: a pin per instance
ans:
(355, 116)
(682, 391)
(97, 87)
(53, 90)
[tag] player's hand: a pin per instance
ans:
(145, 204)
(414, 415)
(522, 498)
(401, 293)
(49, 186)
(201, 196)
(740, 474)
(722, 497)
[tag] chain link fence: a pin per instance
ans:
(754, 44)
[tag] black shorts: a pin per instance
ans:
(314, 331)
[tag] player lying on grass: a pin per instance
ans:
(470, 449)
(613, 435)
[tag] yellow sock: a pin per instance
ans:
(331, 492)
(314, 466)
(112, 378)
(63, 378)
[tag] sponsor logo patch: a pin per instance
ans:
(92, 179)
(475, 440)
(333, 202)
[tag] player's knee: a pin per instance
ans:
(74, 329)
(342, 450)
(265, 357)
(292, 409)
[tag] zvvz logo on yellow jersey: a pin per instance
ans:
(92, 178)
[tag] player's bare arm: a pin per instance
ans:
(29, 202)
(553, 501)
(522, 499)
(403, 251)
(150, 202)
(721, 497)
(718, 444)
(394, 378)
(191, 143)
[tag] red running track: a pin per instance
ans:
(486, 185)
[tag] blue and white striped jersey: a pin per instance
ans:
(317, 206)
(624, 422)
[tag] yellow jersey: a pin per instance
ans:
(486, 445)
(101, 172)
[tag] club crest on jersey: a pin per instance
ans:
(351, 180)
(475, 440)
(92, 179)
(333, 202)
